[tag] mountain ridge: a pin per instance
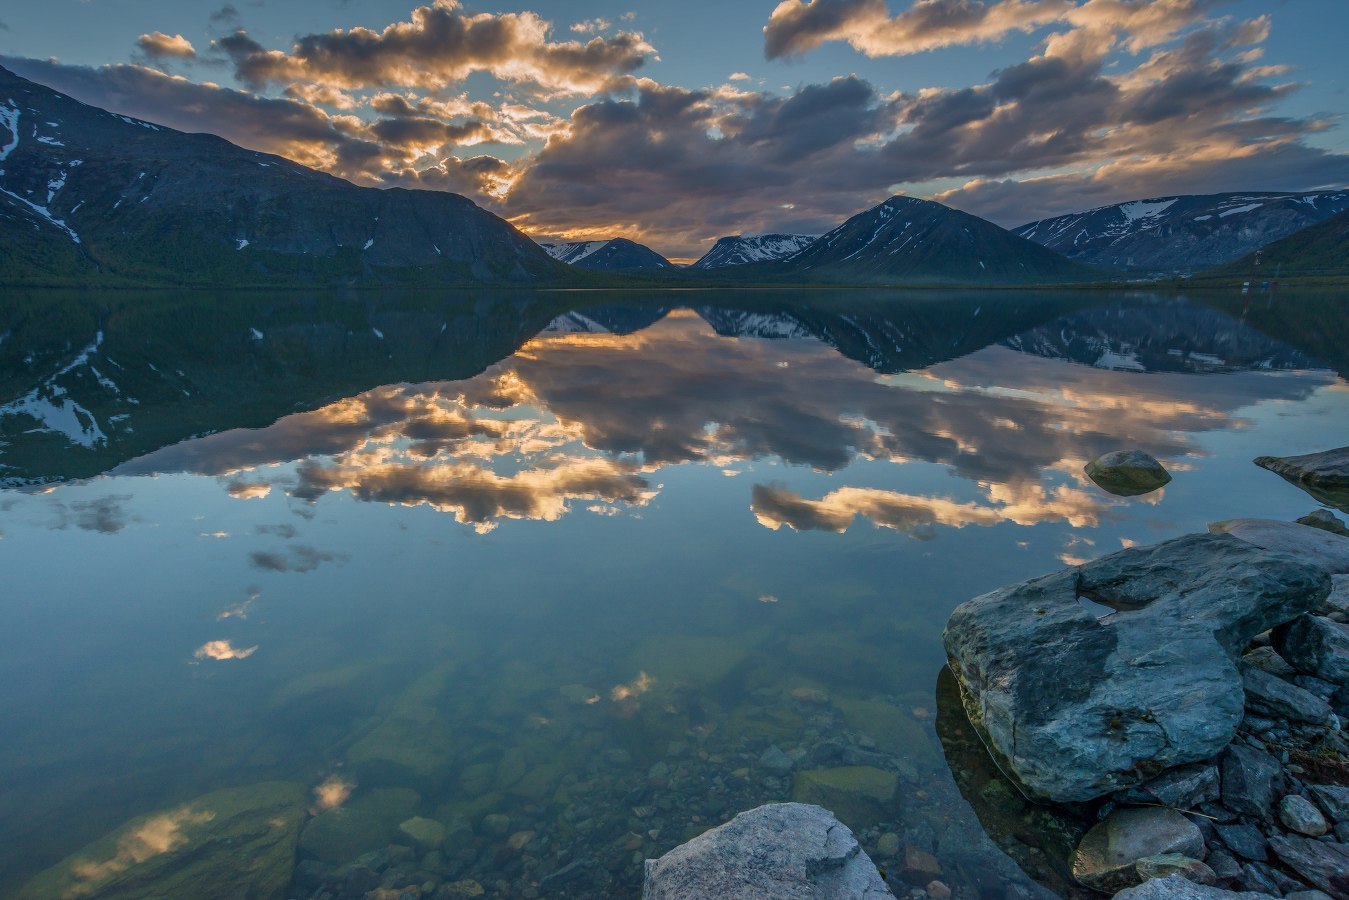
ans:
(612, 255)
(737, 250)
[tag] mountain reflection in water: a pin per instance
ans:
(611, 567)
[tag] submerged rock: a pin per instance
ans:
(859, 795)
(1127, 473)
(1077, 707)
(1107, 858)
(232, 843)
(1315, 546)
(788, 851)
(1323, 475)
(370, 821)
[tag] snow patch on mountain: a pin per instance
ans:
(751, 248)
(573, 252)
(9, 118)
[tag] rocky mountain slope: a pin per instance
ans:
(740, 250)
(1182, 234)
(86, 193)
(919, 241)
(1321, 249)
(613, 255)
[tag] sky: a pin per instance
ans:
(677, 123)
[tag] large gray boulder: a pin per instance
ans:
(1178, 887)
(788, 851)
(1312, 545)
(1317, 646)
(1323, 475)
(1076, 707)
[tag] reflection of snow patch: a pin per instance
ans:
(241, 243)
(9, 117)
(257, 335)
(368, 244)
(379, 334)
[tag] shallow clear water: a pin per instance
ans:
(585, 577)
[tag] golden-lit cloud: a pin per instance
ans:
(635, 688)
(332, 793)
(158, 45)
(223, 650)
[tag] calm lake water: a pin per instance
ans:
(539, 585)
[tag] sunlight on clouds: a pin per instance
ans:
(223, 650)
(332, 793)
(635, 688)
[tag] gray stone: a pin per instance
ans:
(1255, 877)
(1223, 864)
(775, 760)
(1338, 601)
(1301, 815)
(1184, 787)
(791, 851)
(1334, 799)
(1269, 660)
(1178, 887)
(1325, 865)
(1248, 781)
(1317, 646)
(1127, 473)
(1106, 859)
(1271, 695)
(1328, 552)
(1245, 841)
(1323, 475)
(1168, 864)
(1309, 895)
(1325, 520)
(1077, 707)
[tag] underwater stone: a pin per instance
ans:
(1077, 707)
(235, 842)
(1127, 473)
(857, 795)
(367, 823)
(787, 851)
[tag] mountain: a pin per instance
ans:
(607, 256)
(606, 319)
(87, 193)
(1182, 234)
(919, 241)
(1321, 249)
(740, 250)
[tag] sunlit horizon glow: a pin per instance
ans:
(578, 123)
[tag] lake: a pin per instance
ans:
(515, 590)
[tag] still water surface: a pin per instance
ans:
(571, 576)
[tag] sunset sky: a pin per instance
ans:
(677, 123)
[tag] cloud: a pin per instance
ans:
(105, 515)
(440, 45)
(297, 558)
(222, 651)
(158, 45)
(225, 14)
(798, 26)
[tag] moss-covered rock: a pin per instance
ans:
(230, 843)
(860, 796)
(896, 731)
(369, 822)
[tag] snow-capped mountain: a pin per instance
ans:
(910, 240)
(606, 320)
(743, 249)
(754, 324)
(87, 193)
(607, 256)
(1183, 233)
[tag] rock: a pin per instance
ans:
(1326, 521)
(413, 746)
(235, 842)
(1269, 660)
(774, 760)
(1325, 865)
(1323, 475)
(937, 890)
(1248, 781)
(1077, 707)
(1328, 552)
(919, 866)
(887, 845)
(1222, 864)
(370, 821)
(425, 833)
(1334, 799)
(496, 824)
(1270, 695)
(1127, 473)
(858, 795)
(1245, 841)
(790, 851)
(1168, 864)
(1301, 815)
(1184, 787)
(1317, 646)
(1309, 895)
(1255, 877)
(466, 887)
(1338, 601)
(1177, 887)
(1106, 859)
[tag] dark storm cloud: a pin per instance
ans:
(105, 515)
(442, 44)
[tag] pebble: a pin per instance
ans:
(1301, 815)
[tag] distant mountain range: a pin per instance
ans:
(613, 255)
(1182, 234)
(1320, 250)
(742, 250)
(91, 197)
(910, 240)
(83, 191)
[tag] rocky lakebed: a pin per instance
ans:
(1164, 721)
